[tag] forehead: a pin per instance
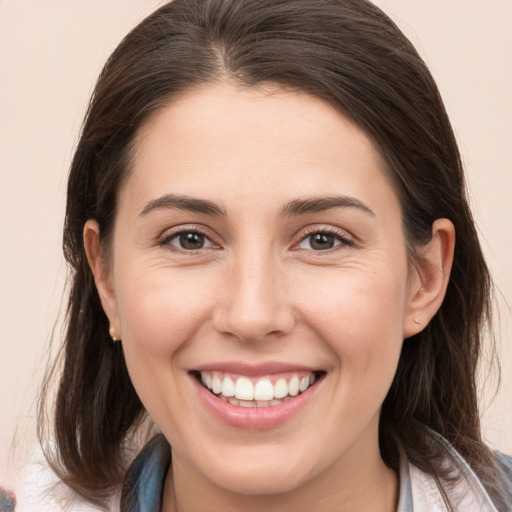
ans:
(223, 139)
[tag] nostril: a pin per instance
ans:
(254, 315)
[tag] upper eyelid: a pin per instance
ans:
(331, 230)
(169, 234)
(300, 234)
(192, 228)
(165, 239)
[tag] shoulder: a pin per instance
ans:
(38, 489)
(462, 487)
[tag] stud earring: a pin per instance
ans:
(112, 332)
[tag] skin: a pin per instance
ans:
(258, 290)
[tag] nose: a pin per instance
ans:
(255, 304)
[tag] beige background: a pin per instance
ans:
(51, 52)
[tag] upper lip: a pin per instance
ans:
(254, 370)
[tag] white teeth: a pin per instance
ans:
(247, 403)
(260, 394)
(293, 386)
(216, 384)
(228, 387)
(304, 384)
(244, 390)
(264, 390)
(280, 388)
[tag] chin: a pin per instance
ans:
(269, 480)
(260, 471)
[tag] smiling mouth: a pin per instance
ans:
(268, 391)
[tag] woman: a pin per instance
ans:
(261, 220)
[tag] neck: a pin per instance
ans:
(358, 481)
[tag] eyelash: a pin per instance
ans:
(331, 232)
(339, 235)
(167, 238)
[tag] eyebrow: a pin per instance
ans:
(293, 208)
(179, 202)
(320, 204)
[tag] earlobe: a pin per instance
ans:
(102, 278)
(431, 275)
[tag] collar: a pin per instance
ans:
(420, 491)
(144, 483)
(143, 487)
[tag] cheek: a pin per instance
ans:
(360, 319)
(360, 316)
(159, 311)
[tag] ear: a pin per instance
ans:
(429, 278)
(102, 277)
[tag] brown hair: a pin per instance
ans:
(350, 54)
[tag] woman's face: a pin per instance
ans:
(258, 250)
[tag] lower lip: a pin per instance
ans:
(254, 418)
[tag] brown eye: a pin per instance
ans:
(189, 241)
(323, 241)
